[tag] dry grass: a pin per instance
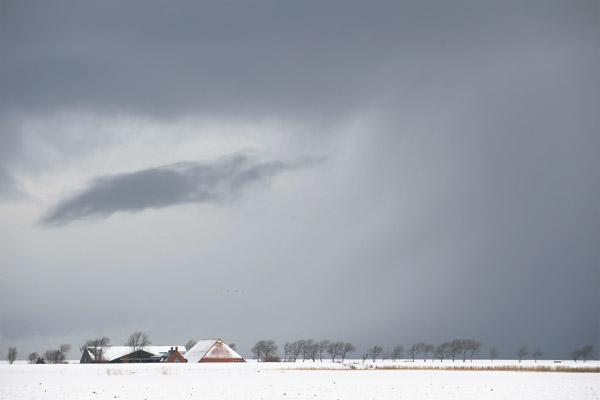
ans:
(118, 372)
(449, 367)
(166, 371)
(514, 368)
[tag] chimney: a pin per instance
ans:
(175, 348)
(171, 347)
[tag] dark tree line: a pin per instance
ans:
(585, 353)
(305, 349)
(456, 349)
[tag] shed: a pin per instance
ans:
(212, 350)
(124, 354)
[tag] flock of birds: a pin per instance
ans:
(229, 291)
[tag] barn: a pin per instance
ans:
(212, 350)
(124, 354)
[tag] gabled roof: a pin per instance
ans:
(113, 352)
(206, 348)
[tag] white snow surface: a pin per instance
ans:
(253, 380)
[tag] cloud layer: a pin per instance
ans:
(460, 200)
(188, 182)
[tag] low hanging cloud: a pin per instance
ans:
(187, 182)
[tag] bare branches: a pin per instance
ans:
(32, 357)
(397, 352)
(493, 353)
(585, 353)
(414, 350)
(138, 340)
(348, 348)
(96, 347)
(322, 348)
(190, 343)
(335, 349)
(12, 355)
(264, 350)
(522, 352)
(373, 352)
(537, 354)
(427, 348)
(442, 350)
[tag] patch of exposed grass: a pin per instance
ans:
(514, 368)
(118, 372)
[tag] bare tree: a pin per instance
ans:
(522, 352)
(310, 351)
(322, 348)
(297, 349)
(348, 348)
(374, 352)
(293, 349)
(415, 350)
(54, 356)
(442, 351)
(385, 355)
(232, 346)
(397, 352)
(537, 354)
(334, 349)
(288, 349)
(257, 350)
(138, 340)
(96, 347)
(264, 350)
(467, 347)
(32, 357)
(427, 348)
(64, 350)
(191, 343)
(12, 355)
(493, 353)
(455, 348)
(366, 355)
(587, 352)
(473, 347)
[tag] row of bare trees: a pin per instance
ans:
(52, 356)
(585, 353)
(305, 349)
(460, 348)
(266, 350)
(465, 348)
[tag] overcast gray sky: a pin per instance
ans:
(374, 172)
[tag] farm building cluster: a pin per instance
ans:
(207, 350)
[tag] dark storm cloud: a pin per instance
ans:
(305, 59)
(466, 204)
(221, 181)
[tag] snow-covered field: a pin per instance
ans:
(280, 381)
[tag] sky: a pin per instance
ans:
(381, 173)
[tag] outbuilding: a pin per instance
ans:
(125, 354)
(212, 350)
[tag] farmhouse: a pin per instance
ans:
(212, 350)
(171, 356)
(125, 354)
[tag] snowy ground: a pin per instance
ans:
(277, 381)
